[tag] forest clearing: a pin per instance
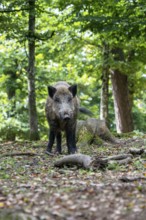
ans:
(32, 188)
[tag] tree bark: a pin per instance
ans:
(33, 122)
(105, 85)
(123, 114)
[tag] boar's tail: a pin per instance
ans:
(85, 111)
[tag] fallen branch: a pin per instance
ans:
(18, 154)
(127, 179)
(136, 151)
(122, 161)
(119, 157)
(86, 162)
(100, 163)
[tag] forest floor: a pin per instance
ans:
(31, 188)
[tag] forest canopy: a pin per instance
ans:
(98, 45)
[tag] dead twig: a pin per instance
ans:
(18, 154)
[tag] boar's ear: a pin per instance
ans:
(51, 91)
(73, 90)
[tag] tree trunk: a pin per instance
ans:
(34, 135)
(11, 92)
(123, 115)
(105, 85)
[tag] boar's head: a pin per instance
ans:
(63, 101)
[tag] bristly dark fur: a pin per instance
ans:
(85, 111)
(62, 108)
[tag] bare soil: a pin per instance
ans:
(32, 188)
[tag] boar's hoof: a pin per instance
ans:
(72, 152)
(57, 152)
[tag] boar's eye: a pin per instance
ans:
(69, 99)
(56, 99)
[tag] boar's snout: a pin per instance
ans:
(65, 115)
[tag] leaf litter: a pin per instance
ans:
(32, 188)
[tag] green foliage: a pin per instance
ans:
(139, 117)
(69, 46)
(138, 164)
(114, 166)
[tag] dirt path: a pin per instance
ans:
(31, 188)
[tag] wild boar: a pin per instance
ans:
(62, 108)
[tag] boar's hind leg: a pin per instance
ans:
(51, 141)
(58, 137)
(71, 142)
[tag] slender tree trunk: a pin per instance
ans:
(122, 105)
(34, 135)
(11, 92)
(105, 85)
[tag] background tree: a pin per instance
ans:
(33, 122)
(108, 20)
(105, 84)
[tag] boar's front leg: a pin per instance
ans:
(58, 139)
(71, 140)
(51, 140)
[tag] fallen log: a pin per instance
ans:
(94, 131)
(80, 160)
(87, 162)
